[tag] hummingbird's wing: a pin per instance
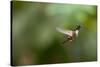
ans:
(67, 32)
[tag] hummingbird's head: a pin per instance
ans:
(78, 27)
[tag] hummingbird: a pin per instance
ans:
(71, 34)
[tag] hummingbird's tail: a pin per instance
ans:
(64, 42)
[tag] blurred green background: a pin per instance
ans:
(35, 39)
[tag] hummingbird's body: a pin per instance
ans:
(71, 34)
